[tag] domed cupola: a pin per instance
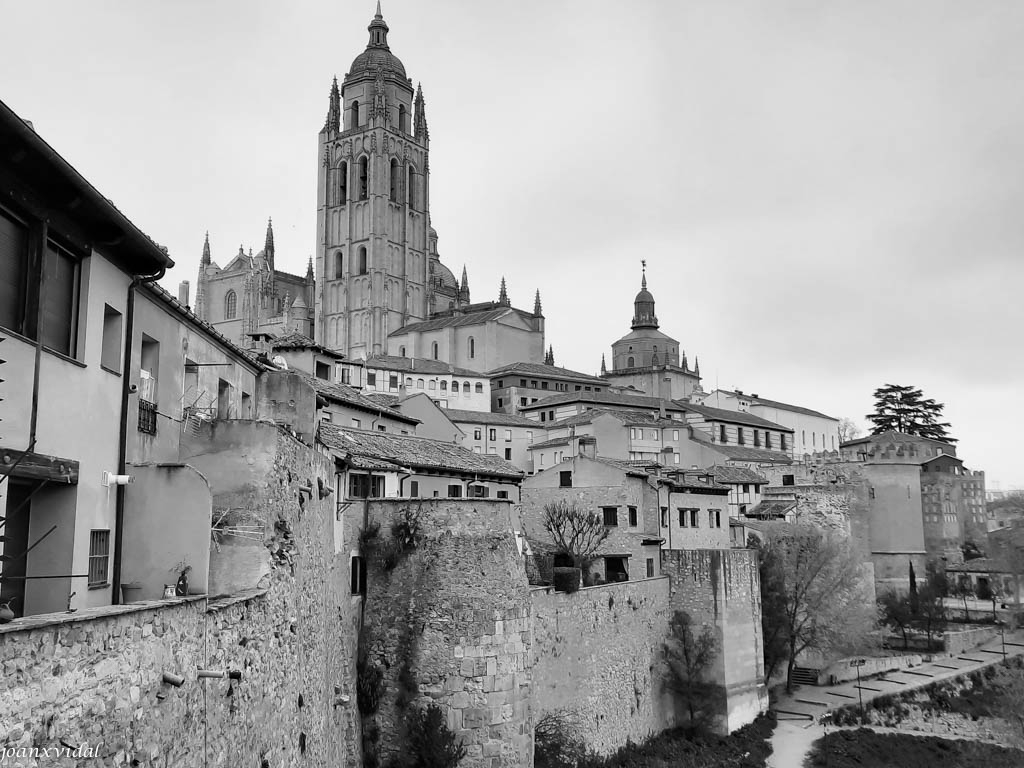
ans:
(643, 306)
(377, 53)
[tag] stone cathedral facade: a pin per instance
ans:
(379, 275)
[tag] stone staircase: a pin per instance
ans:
(805, 676)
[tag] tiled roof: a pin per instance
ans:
(159, 292)
(732, 417)
(603, 398)
(892, 436)
(418, 365)
(296, 340)
(778, 404)
(413, 452)
(455, 321)
(549, 371)
(733, 475)
(487, 417)
(549, 443)
(769, 511)
(344, 394)
(383, 398)
(742, 453)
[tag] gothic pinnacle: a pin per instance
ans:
(536, 305)
(503, 293)
(604, 368)
(206, 249)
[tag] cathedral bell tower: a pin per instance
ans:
(373, 204)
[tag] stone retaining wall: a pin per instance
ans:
(95, 677)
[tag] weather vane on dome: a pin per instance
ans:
(643, 264)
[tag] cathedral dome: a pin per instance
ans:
(377, 53)
(442, 273)
(371, 58)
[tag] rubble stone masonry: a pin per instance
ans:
(455, 612)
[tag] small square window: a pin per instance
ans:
(611, 515)
(565, 479)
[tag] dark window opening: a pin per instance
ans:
(147, 417)
(343, 184)
(230, 305)
(323, 371)
(616, 569)
(357, 567)
(632, 516)
(650, 567)
(99, 557)
(611, 516)
(363, 266)
(363, 486)
(414, 488)
(565, 479)
(364, 188)
(455, 491)
(788, 480)
(395, 177)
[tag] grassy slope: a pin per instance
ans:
(862, 748)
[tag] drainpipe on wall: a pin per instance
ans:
(122, 444)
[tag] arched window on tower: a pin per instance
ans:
(472, 347)
(395, 181)
(629, 362)
(410, 190)
(339, 265)
(402, 119)
(353, 115)
(342, 183)
(363, 268)
(364, 188)
(230, 305)
(433, 350)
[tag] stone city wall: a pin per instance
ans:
(597, 657)
(722, 588)
(95, 677)
(448, 622)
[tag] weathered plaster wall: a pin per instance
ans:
(597, 654)
(456, 612)
(166, 522)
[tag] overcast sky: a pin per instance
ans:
(828, 194)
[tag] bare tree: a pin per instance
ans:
(827, 606)
(848, 430)
(688, 656)
(575, 531)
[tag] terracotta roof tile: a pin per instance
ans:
(413, 452)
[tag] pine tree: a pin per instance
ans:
(905, 409)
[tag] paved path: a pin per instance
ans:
(800, 711)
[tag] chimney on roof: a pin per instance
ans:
(588, 446)
(661, 409)
(754, 395)
(739, 391)
(183, 293)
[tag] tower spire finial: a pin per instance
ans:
(604, 367)
(503, 293)
(643, 267)
(378, 14)
(206, 249)
(536, 305)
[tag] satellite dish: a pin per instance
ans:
(280, 362)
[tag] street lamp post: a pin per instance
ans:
(858, 663)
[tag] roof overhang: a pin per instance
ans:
(56, 185)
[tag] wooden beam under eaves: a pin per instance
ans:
(37, 466)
